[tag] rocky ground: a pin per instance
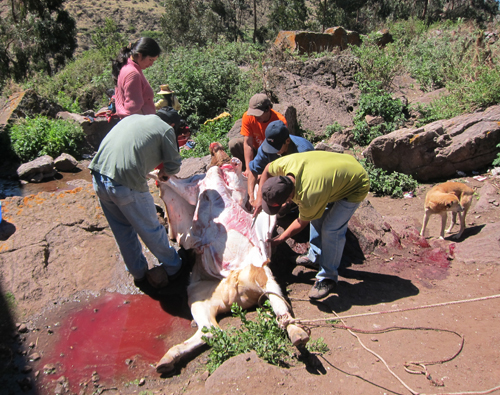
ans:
(74, 322)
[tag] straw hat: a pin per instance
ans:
(164, 90)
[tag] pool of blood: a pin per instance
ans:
(119, 337)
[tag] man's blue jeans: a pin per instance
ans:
(327, 238)
(131, 213)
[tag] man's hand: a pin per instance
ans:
(257, 208)
(163, 176)
(276, 241)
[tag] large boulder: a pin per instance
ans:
(440, 149)
(37, 170)
(322, 91)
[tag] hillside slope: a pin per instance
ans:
(131, 16)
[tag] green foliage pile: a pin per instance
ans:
(263, 335)
(34, 137)
(393, 184)
(210, 132)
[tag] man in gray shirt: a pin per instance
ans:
(132, 149)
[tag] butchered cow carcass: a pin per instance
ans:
(206, 213)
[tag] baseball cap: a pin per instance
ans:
(276, 135)
(275, 192)
(259, 103)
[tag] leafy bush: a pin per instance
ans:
(211, 131)
(376, 101)
(392, 184)
(31, 138)
(364, 134)
(379, 64)
(332, 129)
(263, 335)
(206, 79)
(496, 162)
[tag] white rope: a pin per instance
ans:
(298, 320)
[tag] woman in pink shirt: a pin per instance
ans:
(133, 94)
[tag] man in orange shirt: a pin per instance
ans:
(260, 113)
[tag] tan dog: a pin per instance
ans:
(448, 196)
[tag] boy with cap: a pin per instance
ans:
(327, 188)
(278, 142)
(255, 120)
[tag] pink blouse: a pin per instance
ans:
(133, 94)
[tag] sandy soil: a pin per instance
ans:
(95, 333)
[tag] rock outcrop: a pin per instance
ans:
(440, 149)
(322, 91)
(308, 42)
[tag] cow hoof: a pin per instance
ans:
(165, 365)
(297, 335)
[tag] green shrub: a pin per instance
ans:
(67, 103)
(34, 137)
(392, 184)
(210, 132)
(375, 101)
(379, 64)
(496, 162)
(207, 79)
(332, 129)
(364, 134)
(263, 335)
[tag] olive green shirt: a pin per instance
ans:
(320, 178)
(134, 147)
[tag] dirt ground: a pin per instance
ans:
(401, 307)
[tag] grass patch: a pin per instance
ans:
(262, 335)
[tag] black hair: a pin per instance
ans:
(170, 116)
(169, 97)
(146, 46)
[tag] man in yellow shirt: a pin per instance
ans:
(327, 188)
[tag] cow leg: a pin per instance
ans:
(204, 310)
(297, 335)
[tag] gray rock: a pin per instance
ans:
(65, 162)
(321, 146)
(440, 149)
(37, 170)
(95, 128)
